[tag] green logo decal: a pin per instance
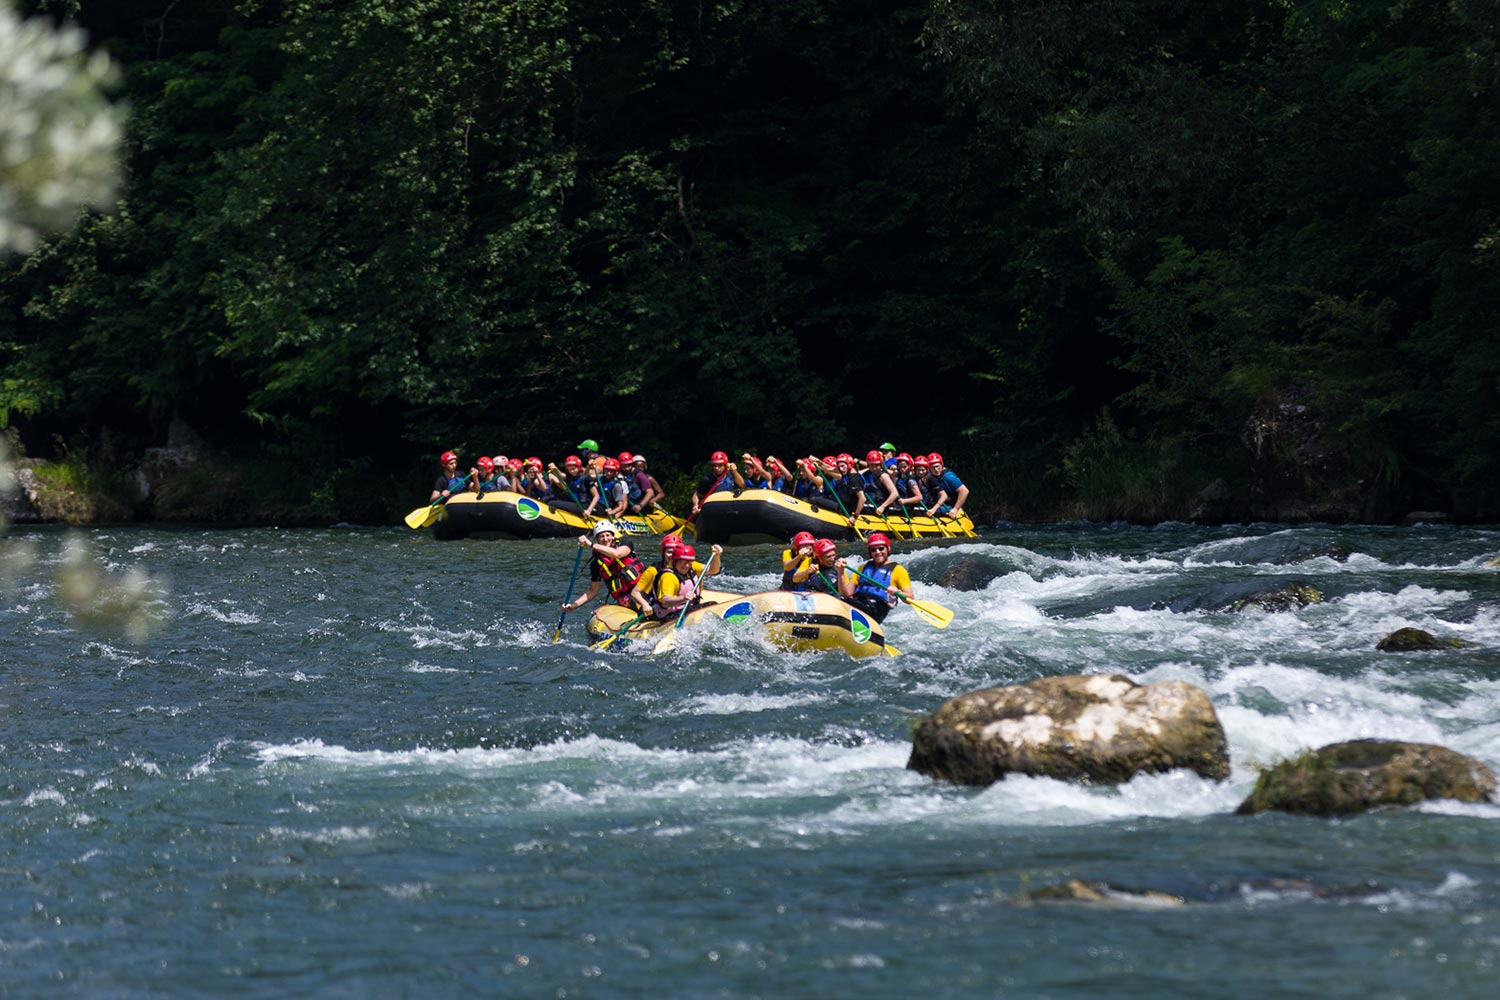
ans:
(859, 625)
(529, 509)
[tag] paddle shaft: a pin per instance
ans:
(577, 561)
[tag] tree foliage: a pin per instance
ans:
(361, 231)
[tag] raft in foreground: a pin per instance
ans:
(502, 514)
(767, 516)
(793, 621)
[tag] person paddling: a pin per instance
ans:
(880, 580)
(798, 556)
(612, 564)
(826, 573)
(725, 476)
(449, 481)
(664, 594)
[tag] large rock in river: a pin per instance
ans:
(967, 574)
(1094, 728)
(1346, 778)
(1416, 640)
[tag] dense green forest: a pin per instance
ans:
(1080, 246)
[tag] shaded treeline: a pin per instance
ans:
(1072, 242)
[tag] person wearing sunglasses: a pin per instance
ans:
(880, 580)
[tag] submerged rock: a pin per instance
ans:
(967, 574)
(1286, 597)
(1343, 779)
(1100, 893)
(1268, 595)
(1081, 728)
(1412, 640)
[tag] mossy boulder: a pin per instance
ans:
(1344, 779)
(1078, 728)
(967, 574)
(1282, 597)
(1415, 640)
(68, 492)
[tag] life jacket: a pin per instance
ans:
(456, 483)
(806, 489)
(684, 586)
(848, 489)
(620, 575)
(818, 582)
(787, 583)
(540, 488)
(882, 574)
(633, 490)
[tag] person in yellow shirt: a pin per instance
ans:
(661, 591)
(825, 572)
(880, 580)
(796, 557)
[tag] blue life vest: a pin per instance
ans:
(876, 590)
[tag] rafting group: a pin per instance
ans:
(824, 601)
(751, 500)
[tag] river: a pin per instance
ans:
(351, 762)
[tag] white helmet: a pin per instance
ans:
(602, 527)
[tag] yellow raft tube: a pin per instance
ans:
(767, 516)
(502, 514)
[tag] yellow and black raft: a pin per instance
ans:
(793, 621)
(502, 514)
(752, 516)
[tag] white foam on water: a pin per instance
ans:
(325, 835)
(736, 704)
(227, 617)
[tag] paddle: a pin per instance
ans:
(563, 614)
(934, 612)
(691, 517)
(419, 517)
(934, 518)
(670, 639)
(850, 516)
(610, 639)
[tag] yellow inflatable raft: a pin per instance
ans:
(793, 621)
(767, 516)
(513, 515)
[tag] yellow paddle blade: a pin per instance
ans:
(891, 650)
(434, 515)
(932, 611)
(418, 517)
(667, 643)
(1494, 562)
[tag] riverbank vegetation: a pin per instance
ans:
(1100, 254)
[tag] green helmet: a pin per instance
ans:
(588, 444)
(887, 447)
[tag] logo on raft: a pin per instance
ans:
(739, 613)
(528, 508)
(859, 625)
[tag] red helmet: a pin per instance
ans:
(823, 547)
(670, 542)
(830, 461)
(572, 460)
(844, 456)
(903, 457)
(485, 463)
(516, 463)
(934, 459)
(921, 462)
(685, 551)
(534, 461)
(802, 538)
(877, 538)
(718, 458)
(448, 456)
(610, 465)
(874, 458)
(625, 458)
